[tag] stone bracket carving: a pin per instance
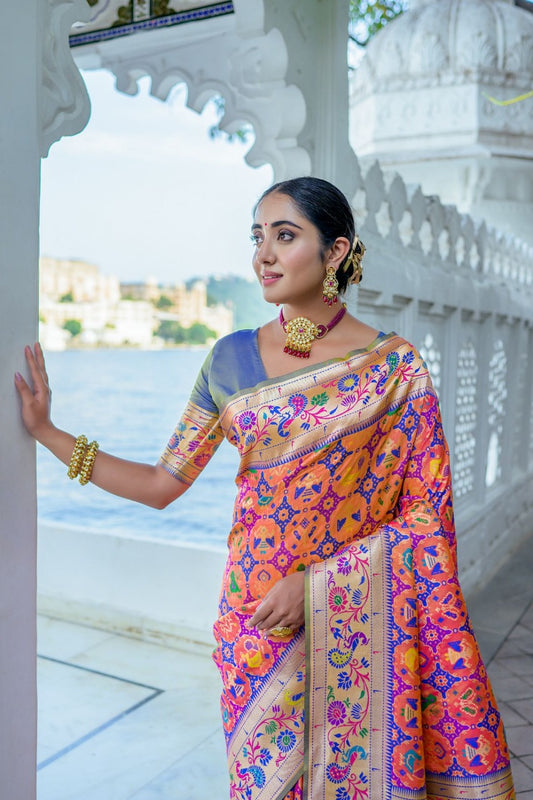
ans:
(236, 60)
(64, 106)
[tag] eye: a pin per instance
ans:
(285, 236)
(256, 240)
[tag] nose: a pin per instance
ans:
(265, 252)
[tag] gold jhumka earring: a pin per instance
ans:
(330, 286)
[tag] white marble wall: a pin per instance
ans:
(463, 294)
(159, 591)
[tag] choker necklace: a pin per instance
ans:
(301, 332)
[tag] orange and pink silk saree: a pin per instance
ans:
(344, 473)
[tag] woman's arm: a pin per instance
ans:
(144, 483)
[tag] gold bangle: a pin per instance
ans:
(88, 463)
(77, 457)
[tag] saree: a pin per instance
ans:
(344, 474)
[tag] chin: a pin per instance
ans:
(272, 297)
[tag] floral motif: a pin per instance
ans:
(336, 712)
(348, 383)
(286, 741)
(246, 420)
(338, 599)
(297, 402)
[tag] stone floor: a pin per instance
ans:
(502, 616)
(121, 719)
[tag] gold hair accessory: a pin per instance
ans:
(301, 332)
(281, 632)
(354, 260)
(88, 463)
(78, 454)
(330, 286)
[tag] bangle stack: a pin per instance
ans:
(78, 454)
(82, 460)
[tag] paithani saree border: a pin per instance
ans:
(293, 416)
(366, 769)
(276, 779)
(194, 441)
(497, 786)
(372, 747)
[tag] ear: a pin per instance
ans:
(338, 251)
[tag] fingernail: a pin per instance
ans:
(18, 376)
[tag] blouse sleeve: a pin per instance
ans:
(197, 434)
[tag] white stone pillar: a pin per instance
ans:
(316, 34)
(19, 208)
(31, 117)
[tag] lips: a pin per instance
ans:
(270, 277)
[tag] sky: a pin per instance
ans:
(144, 192)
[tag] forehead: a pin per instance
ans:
(278, 206)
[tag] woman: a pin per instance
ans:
(348, 663)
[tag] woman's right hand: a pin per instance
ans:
(35, 403)
(143, 483)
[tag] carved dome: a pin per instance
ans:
(439, 42)
(435, 99)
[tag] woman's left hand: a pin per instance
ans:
(283, 605)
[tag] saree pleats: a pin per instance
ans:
(345, 474)
(399, 697)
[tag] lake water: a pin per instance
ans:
(130, 401)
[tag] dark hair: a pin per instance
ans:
(326, 208)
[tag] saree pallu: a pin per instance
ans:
(345, 474)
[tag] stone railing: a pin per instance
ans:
(463, 294)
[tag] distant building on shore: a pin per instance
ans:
(181, 304)
(78, 303)
(78, 279)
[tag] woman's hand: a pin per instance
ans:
(283, 605)
(36, 403)
(151, 485)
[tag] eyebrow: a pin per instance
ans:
(277, 224)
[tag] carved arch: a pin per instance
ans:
(236, 60)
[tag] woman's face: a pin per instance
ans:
(287, 252)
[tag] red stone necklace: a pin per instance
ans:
(301, 332)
